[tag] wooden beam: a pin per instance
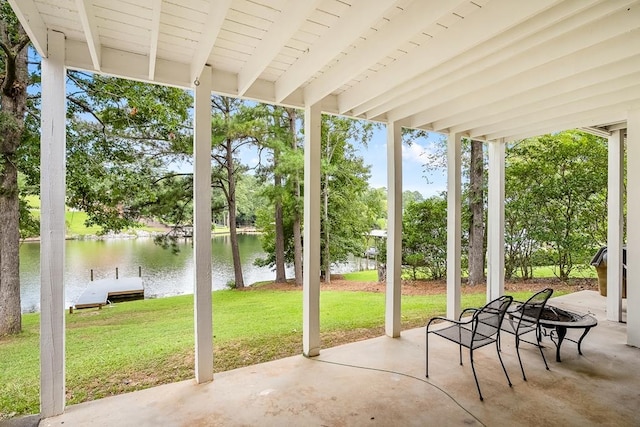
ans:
(52, 228)
(495, 17)
(633, 227)
(203, 316)
(156, 12)
(90, 28)
(394, 231)
(311, 250)
(550, 23)
(32, 22)
(415, 18)
(360, 16)
(454, 224)
(211, 27)
(495, 221)
(290, 19)
(615, 225)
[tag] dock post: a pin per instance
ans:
(139, 271)
(116, 272)
(92, 274)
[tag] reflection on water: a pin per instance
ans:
(163, 272)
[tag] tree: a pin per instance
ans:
(474, 189)
(234, 125)
(282, 219)
(476, 211)
(122, 136)
(343, 183)
(14, 78)
(565, 176)
(424, 237)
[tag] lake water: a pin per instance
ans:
(163, 272)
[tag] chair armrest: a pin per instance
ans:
(470, 309)
(444, 319)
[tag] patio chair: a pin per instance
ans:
(523, 318)
(482, 329)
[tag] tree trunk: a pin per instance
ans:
(233, 233)
(281, 275)
(476, 207)
(13, 99)
(297, 223)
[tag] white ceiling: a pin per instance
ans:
(489, 69)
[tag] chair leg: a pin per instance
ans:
(427, 356)
(460, 348)
(519, 359)
(542, 354)
(475, 377)
(503, 368)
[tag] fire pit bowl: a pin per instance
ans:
(555, 322)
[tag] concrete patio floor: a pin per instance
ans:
(382, 382)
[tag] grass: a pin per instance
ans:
(579, 272)
(140, 344)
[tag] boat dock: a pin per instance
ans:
(100, 292)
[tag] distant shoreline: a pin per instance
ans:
(140, 234)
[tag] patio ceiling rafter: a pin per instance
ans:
(211, 27)
(156, 11)
(459, 38)
(482, 56)
(36, 29)
(526, 70)
(286, 25)
(381, 44)
(90, 27)
(360, 16)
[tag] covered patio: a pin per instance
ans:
(381, 382)
(491, 70)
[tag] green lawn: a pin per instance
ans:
(579, 272)
(140, 344)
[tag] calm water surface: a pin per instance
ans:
(163, 273)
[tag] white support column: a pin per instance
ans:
(615, 226)
(203, 311)
(495, 219)
(633, 228)
(52, 228)
(394, 229)
(311, 257)
(454, 234)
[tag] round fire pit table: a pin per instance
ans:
(559, 321)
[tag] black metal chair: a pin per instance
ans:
(523, 318)
(482, 329)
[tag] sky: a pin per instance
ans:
(374, 154)
(414, 177)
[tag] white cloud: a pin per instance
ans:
(414, 153)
